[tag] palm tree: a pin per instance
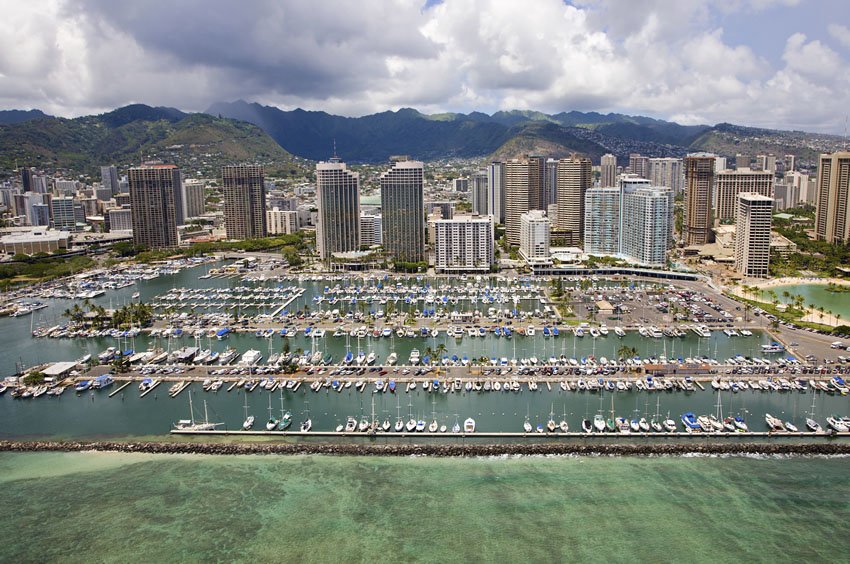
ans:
(626, 351)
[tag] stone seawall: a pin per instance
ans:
(467, 450)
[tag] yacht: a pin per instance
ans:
(392, 359)
(774, 423)
(813, 426)
(350, 425)
(227, 356)
(251, 357)
(599, 422)
(414, 357)
(619, 331)
(249, 423)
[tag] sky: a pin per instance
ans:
(769, 63)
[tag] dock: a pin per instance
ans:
(297, 294)
(116, 390)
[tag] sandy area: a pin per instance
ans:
(796, 281)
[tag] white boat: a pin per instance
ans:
(619, 331)
(251, 357)
(191, 425)
(414, 357)
(468, 426)
(392, 359)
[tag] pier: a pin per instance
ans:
(115, 391)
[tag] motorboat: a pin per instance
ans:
(468, 426)
(599, 423)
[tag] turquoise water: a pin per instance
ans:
(85, 507)
(838, 303)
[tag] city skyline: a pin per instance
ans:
(585, 55)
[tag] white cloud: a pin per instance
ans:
(666, 59)
(840, 33)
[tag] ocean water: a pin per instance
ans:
(84, 507)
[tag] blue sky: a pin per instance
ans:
(767, 63)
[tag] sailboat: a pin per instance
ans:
(191, 425)
(307, 424)
(563, 423)
(285, 416)
(655, 424)
(399, 422)
(550, 424)
(249, 419)
(272, 422)
(526, 426)
(811, 424)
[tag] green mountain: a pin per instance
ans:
(196, 142)
(374, 138)
(18, 116)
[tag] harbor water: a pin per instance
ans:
(93, 414)
(18, 347)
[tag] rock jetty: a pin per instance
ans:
(452, 450)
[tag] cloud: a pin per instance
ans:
(655, 57)
(840, 33)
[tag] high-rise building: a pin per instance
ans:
(790, 163)
(798, 193)
(281, 222)
(193, 198)
(40, 215)
(40, 184)
(66, 187)
(667, 172)
(244, 192)
(645, 225)
(832, 217)
(447, 209)
(602, 221)
(729, 183)
(742, 161)
(639, 165)
(338, 200)
(496, 191)
(62, 210)
(403, 211)
(534, 237)
(120, 219)
(766, 163)
(109, 178)
(575, 177)
(156, 204)
(461, 184)
(480, 194)
(752, 234)
(608, 168)
(719, 164)
(463, 244)
(523, 189)
(699, 183)
(370, 229)
(550, 181)
(26, 179)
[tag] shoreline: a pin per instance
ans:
(799, 280)
(435, 450)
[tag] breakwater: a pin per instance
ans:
(438, 450)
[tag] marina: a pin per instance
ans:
(145, 410)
